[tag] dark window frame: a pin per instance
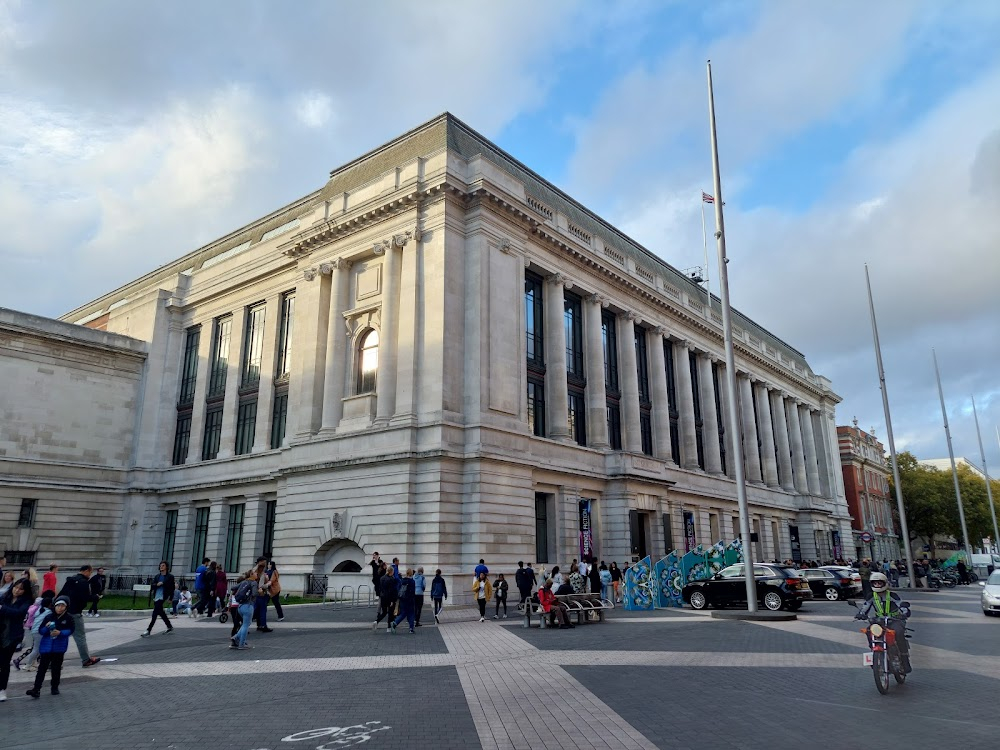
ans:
(189, 366)
(576, 402)
(573, 326)
(279, 417)
(366, 381)
(19, 558)
(286, 321)
(213, 432)
(718, 414)
(246, 426)
(696, 400)
(270, 520)
(234, 535)
(169, 537)
(182, 436)
(253, 345)
(536, 405)
(222, 336)
(541, 528)
(29, 510)
(534, 319)
(671, 375)
(614, 424)
(200, 541)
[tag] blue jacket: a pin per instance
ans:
(406, 591)
(57, 645)
(419, 584)
(439, 590)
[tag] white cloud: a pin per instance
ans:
(313, 108)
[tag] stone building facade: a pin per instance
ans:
(867, 476)
(441, 357)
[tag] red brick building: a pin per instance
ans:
(866, 485)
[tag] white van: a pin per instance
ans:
(982, 563)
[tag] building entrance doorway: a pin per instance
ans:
(638, 522)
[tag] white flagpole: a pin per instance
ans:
(954, 469)
(727, 334)
(986, 472)
(903, 526)
(704, 242)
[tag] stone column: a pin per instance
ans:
(658, 392)
(306, 375)
(751, 450)
(200, 388)
(597, 402)
(335, 370)
(230, 403)
(685, 405)
(265, 389)
(809, 439)
(388, 343)
(766, 433)
(798, 454)
(556, 395)
(781, 436)
(709, 415)
(628, 376)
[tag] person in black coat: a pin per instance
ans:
(388, 595)
(163, 592)
(13, 609)
(98, 583)
(77, 590)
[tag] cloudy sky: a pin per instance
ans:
(850, 133)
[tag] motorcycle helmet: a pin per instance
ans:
(879, 582)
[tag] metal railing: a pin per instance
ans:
(349, 596)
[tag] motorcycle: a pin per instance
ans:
(885, 657)
(936, 580)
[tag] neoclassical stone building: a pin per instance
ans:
(440, 356)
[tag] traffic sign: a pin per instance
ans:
(866, 536)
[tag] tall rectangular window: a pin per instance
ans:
(614, 425)
(718, 410)
(220, 355)
(26, 518)
(533, 318)
(234, 536)
(253, 348)
(270, 516)
(200, 537)
(675, 433)
(169, 538)
(182, 437)
(541, 528)
(612, 393)
(213, 433)
(696, 398)
(578, 417)
(536, 407)
(278, 419)
(189, 366)
(573, 322)
(645, 404)
(286, 318)
(246, 425)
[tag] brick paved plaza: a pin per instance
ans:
(324, 679)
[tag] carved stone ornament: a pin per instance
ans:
(309, 273)
(371, 318)
(379, 248)
(400, 240)
(557, 279)
(296, 251)
(337, 525)
(633, 316)
(505, 246)
(661, 331)
(337, 264)
(418, 234)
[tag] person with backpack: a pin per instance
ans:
(419, 586)
(439, 592)
(406, 595)
(55, 630)
(163, 591)
(33, 621)
(245, 597)
(388, 596)
(208, 582)
(259, 574)
(77, 589)
(199, 585)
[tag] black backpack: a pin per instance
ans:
(245, 592)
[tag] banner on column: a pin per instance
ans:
(586, 533)
(793, 537)
(690, 540)
(838, 550)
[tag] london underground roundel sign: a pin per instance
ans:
(866, 537)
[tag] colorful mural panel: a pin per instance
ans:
(640, 586)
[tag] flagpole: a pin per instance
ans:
(903, 526)
(704, 242)
(986, 472)
(727, 334)
(951, 454)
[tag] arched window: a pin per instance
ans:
(367, 362)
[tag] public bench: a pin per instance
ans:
(580, 604)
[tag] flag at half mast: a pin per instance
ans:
(706, 198)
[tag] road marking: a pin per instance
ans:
(879, 710)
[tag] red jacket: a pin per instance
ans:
(546, 598)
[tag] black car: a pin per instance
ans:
(833, 584)
(778, 587)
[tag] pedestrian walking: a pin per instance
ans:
(439, 592)
(259, 574)
(523, 583)
(55, 631)
(199, 586)
(388, 595)
(98, 583)
(163, 592)
(49, 580)
(594, 574)
(32, 623)
(483, 591)
(275, 590)
(605, 580)
(77, 589)
(500, 591)
(406, 589)
(419, 586)
(13, 609)
(481, 568)
(245, 597)
(34, 585)
(208, 582)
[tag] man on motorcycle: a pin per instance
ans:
(884, 603)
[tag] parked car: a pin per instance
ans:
(846, 570)
(991, 594)
(832, 585)
(778, 587)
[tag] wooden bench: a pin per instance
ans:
(580, 604)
